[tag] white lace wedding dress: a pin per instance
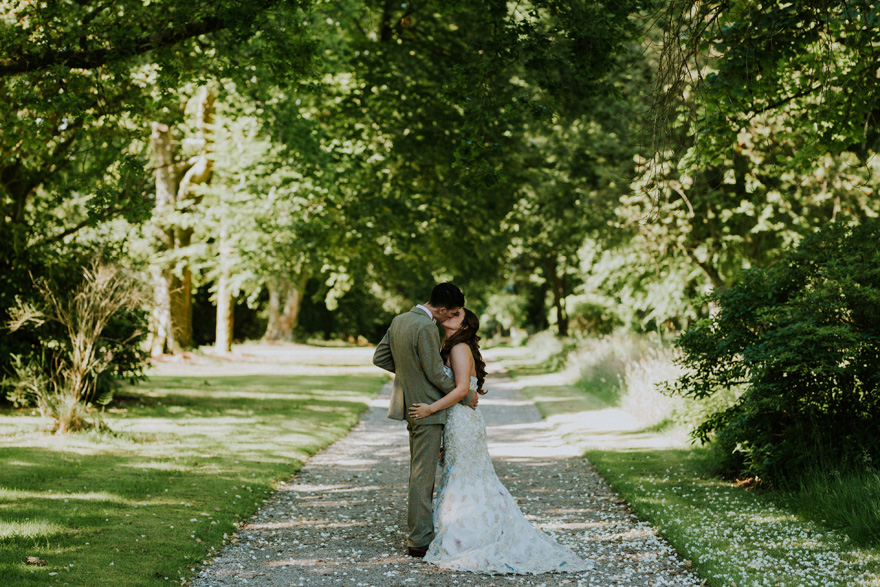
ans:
(478, 526)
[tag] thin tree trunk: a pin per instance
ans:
(225, 305)
(225, 300)
(161, 334)
(181, 309)
(561, 314)
(273, 308)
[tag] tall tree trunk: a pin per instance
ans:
(225, 300)
(181, 308)
(285, 302)
(161, 333)
(557, 283)
(168, 175)
(561, 314)
(171, 324)
(225, 306)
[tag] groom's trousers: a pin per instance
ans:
(424, 451)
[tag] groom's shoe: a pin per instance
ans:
(417, 551)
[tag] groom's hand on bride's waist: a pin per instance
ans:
(475, 401)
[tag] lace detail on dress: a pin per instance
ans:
(478, 525)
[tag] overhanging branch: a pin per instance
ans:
(90, 59)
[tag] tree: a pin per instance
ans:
(424, 118)
(813, 61)
(77, 79)
(561, 203)
(176, 178)
(80, 84)
(733, 186)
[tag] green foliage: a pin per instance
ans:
(80, 84)
(803, 336)
(425, 120)
(815, 61)
(358, 313)
(503, 314)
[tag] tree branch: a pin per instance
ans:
(755, 110)
(105, 215)
(30, 62)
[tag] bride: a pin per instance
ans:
(478, 525)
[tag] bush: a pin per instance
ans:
(79, 368)
(803, 337)
(42, 342)
(589, 317)
(641, 379)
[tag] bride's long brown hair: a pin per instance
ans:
(467, 333)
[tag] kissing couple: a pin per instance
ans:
(474, 524)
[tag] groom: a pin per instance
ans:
(411, 350)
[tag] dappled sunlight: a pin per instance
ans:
(226, 394)
(359, 462)
(168, 466)
(297, 562)
(320, 490)
(208, 427)
(186, 458)
(489, 401)
(572, 525)
(610, 429)
(772, 519)
(253, 358)
(628, 535)
(343, 516)
(14, 463)
(22, 494)
(294, 524)
(29, 529)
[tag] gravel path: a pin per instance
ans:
(341, 520)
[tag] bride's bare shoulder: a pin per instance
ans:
(461, 351)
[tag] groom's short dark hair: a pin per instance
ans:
(446, 295)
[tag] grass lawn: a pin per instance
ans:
(190, 456)
(732, 535)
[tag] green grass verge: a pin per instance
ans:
(731, 535)
(189, 458)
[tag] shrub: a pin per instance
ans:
(803, 338)
(78, 369)
(591, 318)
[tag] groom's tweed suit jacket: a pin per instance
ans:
(411, 350)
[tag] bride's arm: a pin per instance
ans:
(462, 364)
